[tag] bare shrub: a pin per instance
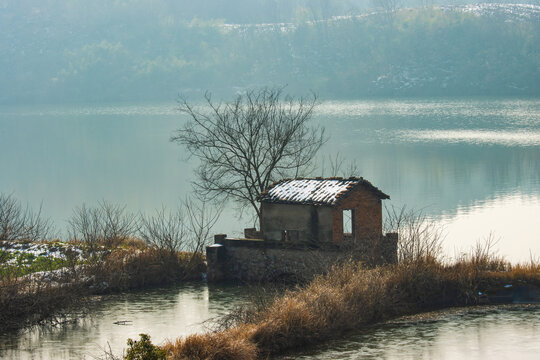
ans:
(483, 256)
(187, 228)
(165, 230)
(21, 223)
(118, 224)
(201, 217)
(339, 166)
(420, 238)
(85, 225)
(107, 225)
(47, 296)
(259, 298)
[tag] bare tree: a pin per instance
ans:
(21, 223)
(247, 144)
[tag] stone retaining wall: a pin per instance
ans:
(253, 260)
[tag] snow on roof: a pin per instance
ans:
(316, 191)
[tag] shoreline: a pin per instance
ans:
(442, 317)
(421, 317)
(350, 298)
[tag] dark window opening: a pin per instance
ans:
(289, 235)
(348, 222)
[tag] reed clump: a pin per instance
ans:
(351, 296)
(125, 269)
(229, 345)
(33, 298)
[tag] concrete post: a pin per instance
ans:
(215, 262)
(389, 248)
(220, 238)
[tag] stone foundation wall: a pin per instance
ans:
(267, 264)
(250, 260)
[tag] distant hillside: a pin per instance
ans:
(133, 54)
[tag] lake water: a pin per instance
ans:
(471, 165)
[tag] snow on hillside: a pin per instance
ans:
(512, 11)
(526, 12)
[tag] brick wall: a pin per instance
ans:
(367, 215)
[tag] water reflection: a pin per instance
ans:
(161, 313)
(473, 165)
(482, 333)
(477, 137)
(507, 218)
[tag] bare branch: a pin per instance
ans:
(247, 144)
(107, 224)
(420, 238)
(21, 223)
(339, 166)
(186, 229)
(165, 230)
(200, 219)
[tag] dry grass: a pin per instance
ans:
(230, 345)
(39, 297)
(349, 297)
(135, 269)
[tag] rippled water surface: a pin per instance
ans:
(510, 332)
(161, 313)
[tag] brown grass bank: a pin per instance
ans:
(59, 294)
(350, 297)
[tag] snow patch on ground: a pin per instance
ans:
(53, 250)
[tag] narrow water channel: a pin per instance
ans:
(488, 332)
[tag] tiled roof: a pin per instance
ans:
(316, 191)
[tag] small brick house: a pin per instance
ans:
(306, 224)
(322, 211)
